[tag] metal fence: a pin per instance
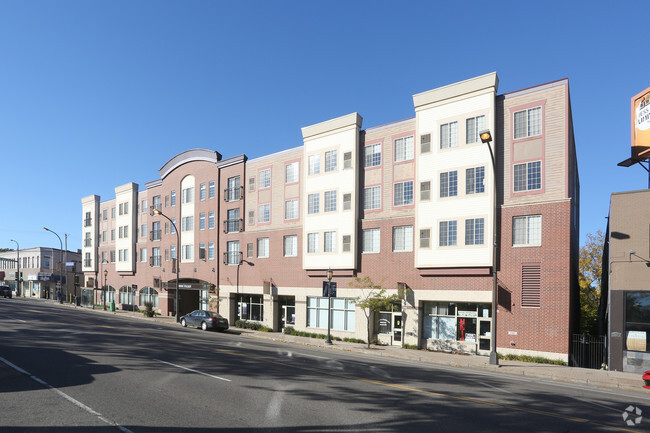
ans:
(587, 351)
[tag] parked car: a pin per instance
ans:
(5, 291)
(205, 320)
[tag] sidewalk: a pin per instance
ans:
(614, 380)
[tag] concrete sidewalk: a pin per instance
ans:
(583, 376)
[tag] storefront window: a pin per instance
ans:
(251, 307)
(637, 321)
(455, 321)
(343, 313)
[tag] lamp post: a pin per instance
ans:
(17, 267)
(486, 138)
(329, 304)
(178, 262)
(60, 271)
(104, 289)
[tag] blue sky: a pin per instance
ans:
(95, 94)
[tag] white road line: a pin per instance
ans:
(66, 396)
(192, 370)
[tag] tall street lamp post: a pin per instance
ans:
(329, 304)
(17, 267)
(104, 289)
(486, 138)
(60, 271)
(178, 262)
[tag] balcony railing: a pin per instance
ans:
(234, 225)
(233, 194)
(88, 222)
(154, 235)
(155, 261)
(232, 257)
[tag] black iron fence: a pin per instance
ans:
(587, 351)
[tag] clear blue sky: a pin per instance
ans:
(95, 94)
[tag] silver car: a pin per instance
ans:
(205, 320)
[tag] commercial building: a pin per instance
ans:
(409, 204)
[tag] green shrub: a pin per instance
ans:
(289, 330)
(410, 347)
(255, 326)
(533, 359)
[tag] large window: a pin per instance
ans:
(330, 161)
(232, 253)
(475, 180)
(403, 193)
(372, 155)
(448, 135)
(449, 184)
(370, 241)
(211, 220)
(188, 195)
(528, 123)
(211, 189)
(474, 231)
(404, 148)
(313, 164)
(264, 213)
(455, 322)
(528, 176)
(291, 174)
(187, 252)
(148, 294)
(403, 238)
(251, 307)
(448, 233)
(474, 126)
(343, 313)
(527, 230)
(265, 178)
(233, 193)
(329, 242)
(233, 222)
(312, 242)
(330, 201)
(637, 321)
(202, 192)
(372, 197)
(187, 223)
(291, 209)
(291, 246)
(202, 221)
(313, 203)
(262, 247)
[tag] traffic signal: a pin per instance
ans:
(21, 276)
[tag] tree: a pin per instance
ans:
(590, 268)
(374, 299)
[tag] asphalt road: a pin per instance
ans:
(73, 370)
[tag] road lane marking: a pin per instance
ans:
(66, 396)
(192, 370)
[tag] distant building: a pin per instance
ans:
(41, 268)
(409, 204)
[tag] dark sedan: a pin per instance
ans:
(5, 291)
(205, 320)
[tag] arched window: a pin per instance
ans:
(149, 294)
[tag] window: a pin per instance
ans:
(291, 209)
(528, 123)
(112, 213)
(249, 250)
(251, 184)
(370, 241)
(211, 189)
(174, 226)
(347, 160)
(425, 191)
(143, 254)
(312, 242)
(527, 230)
(448, 135)
(403, 193)
(372, 198)
(425, 143)
(329, 242)
(202, 221)
(173, 198)
(105, 214)
(372, 155)
(455, 322)
(105, 235)
(202, 192)
(211, 220)
(143, 206)
(404, 149)
(157, 204)
(187, 223)
(262, 247)
(474, 125)
(187, 252)
(330, 201)
(425, 238)
(188, 195)
(155, 257)
(347, 241)
(251, 307)
(167, 201)
(291, 174)
(531, 285)
(251, 217)
(265, 178)
(155, 231)
(403, 238)
(447, 237)
(347, 201)
(87, 240)
(343, 313)
(173, 251)
(330, 161)
(475, 180)
(88, 220)
(143, 231)
(113, 235)
(233, 221)
(314, 164)
(449, 184)
(313, 203)
(121, 232)
(475, 231)
(291, 246)
(528, 176)
(637, 321)
(264, 213)
(211, 250)
(233, 193)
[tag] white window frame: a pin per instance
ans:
(402, 239)
(372, 197)
(262, 248)
(473, 127)
(290, 246)
(329, 242)
(529, 168)
(371, 241)
(448, 233)
(372, 155)
(291, 209)
(264, 213)
(475, 231)
(449, 135)
(331, 160)
(313, 203)
(291, 172)
(449, 184)
(475, 180)
(528, 227)
(329, 201)
(264, 178)
(401, 193)
(312, 243)
(404, 148)
(313, 164)
(527, 123)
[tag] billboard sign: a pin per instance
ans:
(641, 122)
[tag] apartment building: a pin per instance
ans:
(409, 204)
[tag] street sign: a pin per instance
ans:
(329, 289)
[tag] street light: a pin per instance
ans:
(178, 262)
(104, 289)
(329, 303)
(17, 267)
(486, 138)
(60, 271)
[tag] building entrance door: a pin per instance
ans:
(390, 328)
(287, 311)
(484, 328)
